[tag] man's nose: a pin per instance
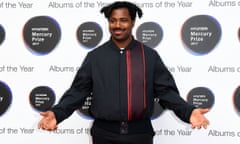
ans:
(118, 24)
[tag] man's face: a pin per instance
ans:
(120, 25)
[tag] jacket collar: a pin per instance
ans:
(129, 46)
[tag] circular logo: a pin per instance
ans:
(2, 34)
(5, 97)
(41, 34)
(236, 99)
(42, 98)
(157, 110)
(85, 109)
(239, 34)
(89, 34)
(201, 97)
(149, 33)
(200, 34)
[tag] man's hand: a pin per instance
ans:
(197, 118)
(48, 122)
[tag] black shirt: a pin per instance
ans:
(103, 73)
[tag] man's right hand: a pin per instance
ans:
(48, 122)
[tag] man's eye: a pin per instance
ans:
(112, 21)
(124, 20)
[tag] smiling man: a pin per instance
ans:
(124, 76)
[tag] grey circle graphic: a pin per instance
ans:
(149, 33)
(200, 34)
(201, 97)
(41, 34)
(89, 34)
(157, 110)
(2, 34)
(42, 98)
(236, 99)
(239, 34)
(85, 109)
(5, 97)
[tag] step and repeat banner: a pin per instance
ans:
(43, 43)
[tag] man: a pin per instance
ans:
(124, 76)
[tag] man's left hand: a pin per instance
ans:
(197, 118)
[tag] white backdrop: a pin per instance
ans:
(18, 123)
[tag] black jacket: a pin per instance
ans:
(103, 73)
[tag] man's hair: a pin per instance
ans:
(132, 8)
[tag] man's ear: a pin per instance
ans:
(133, 23)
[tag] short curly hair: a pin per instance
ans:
(132, 8)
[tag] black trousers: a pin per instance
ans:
(101, 136)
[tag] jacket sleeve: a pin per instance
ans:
(166, 90)
(74, 97)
